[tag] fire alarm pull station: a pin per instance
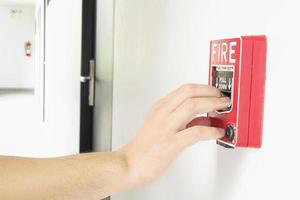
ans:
(238, 69)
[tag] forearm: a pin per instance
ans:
(170, 127)
(84, 176)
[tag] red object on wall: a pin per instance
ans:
(28, 47)
(238, 69)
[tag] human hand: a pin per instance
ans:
(170, 127)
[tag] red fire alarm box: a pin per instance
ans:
(238, 69)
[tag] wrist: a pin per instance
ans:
(131, 174)
(125, 169)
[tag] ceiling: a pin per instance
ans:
(17, 2)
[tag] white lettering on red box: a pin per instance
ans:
(221, 53)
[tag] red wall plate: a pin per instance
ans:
(238, 69)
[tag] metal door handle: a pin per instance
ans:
(84, 79)
(91, 80)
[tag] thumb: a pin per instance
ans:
(192, 135)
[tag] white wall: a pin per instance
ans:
(162, 44)
(16, 69)
(62, 72)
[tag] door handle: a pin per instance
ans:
(91, 80)
(84, 79)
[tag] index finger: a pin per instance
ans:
(187, 91)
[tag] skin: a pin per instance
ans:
(169, 128)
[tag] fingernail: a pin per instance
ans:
(226, 100)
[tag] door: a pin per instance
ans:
(97, 77)
(104, 75)
(87, 75)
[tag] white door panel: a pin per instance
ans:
(62, 85)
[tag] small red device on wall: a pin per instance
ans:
(238, 69)
(28, 47)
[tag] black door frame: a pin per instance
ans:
(88, 52)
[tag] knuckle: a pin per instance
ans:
(188, 88)
(213, 91)
(216, 91)
(156, 105)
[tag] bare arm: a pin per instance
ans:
(84, 176)
(170, 127)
